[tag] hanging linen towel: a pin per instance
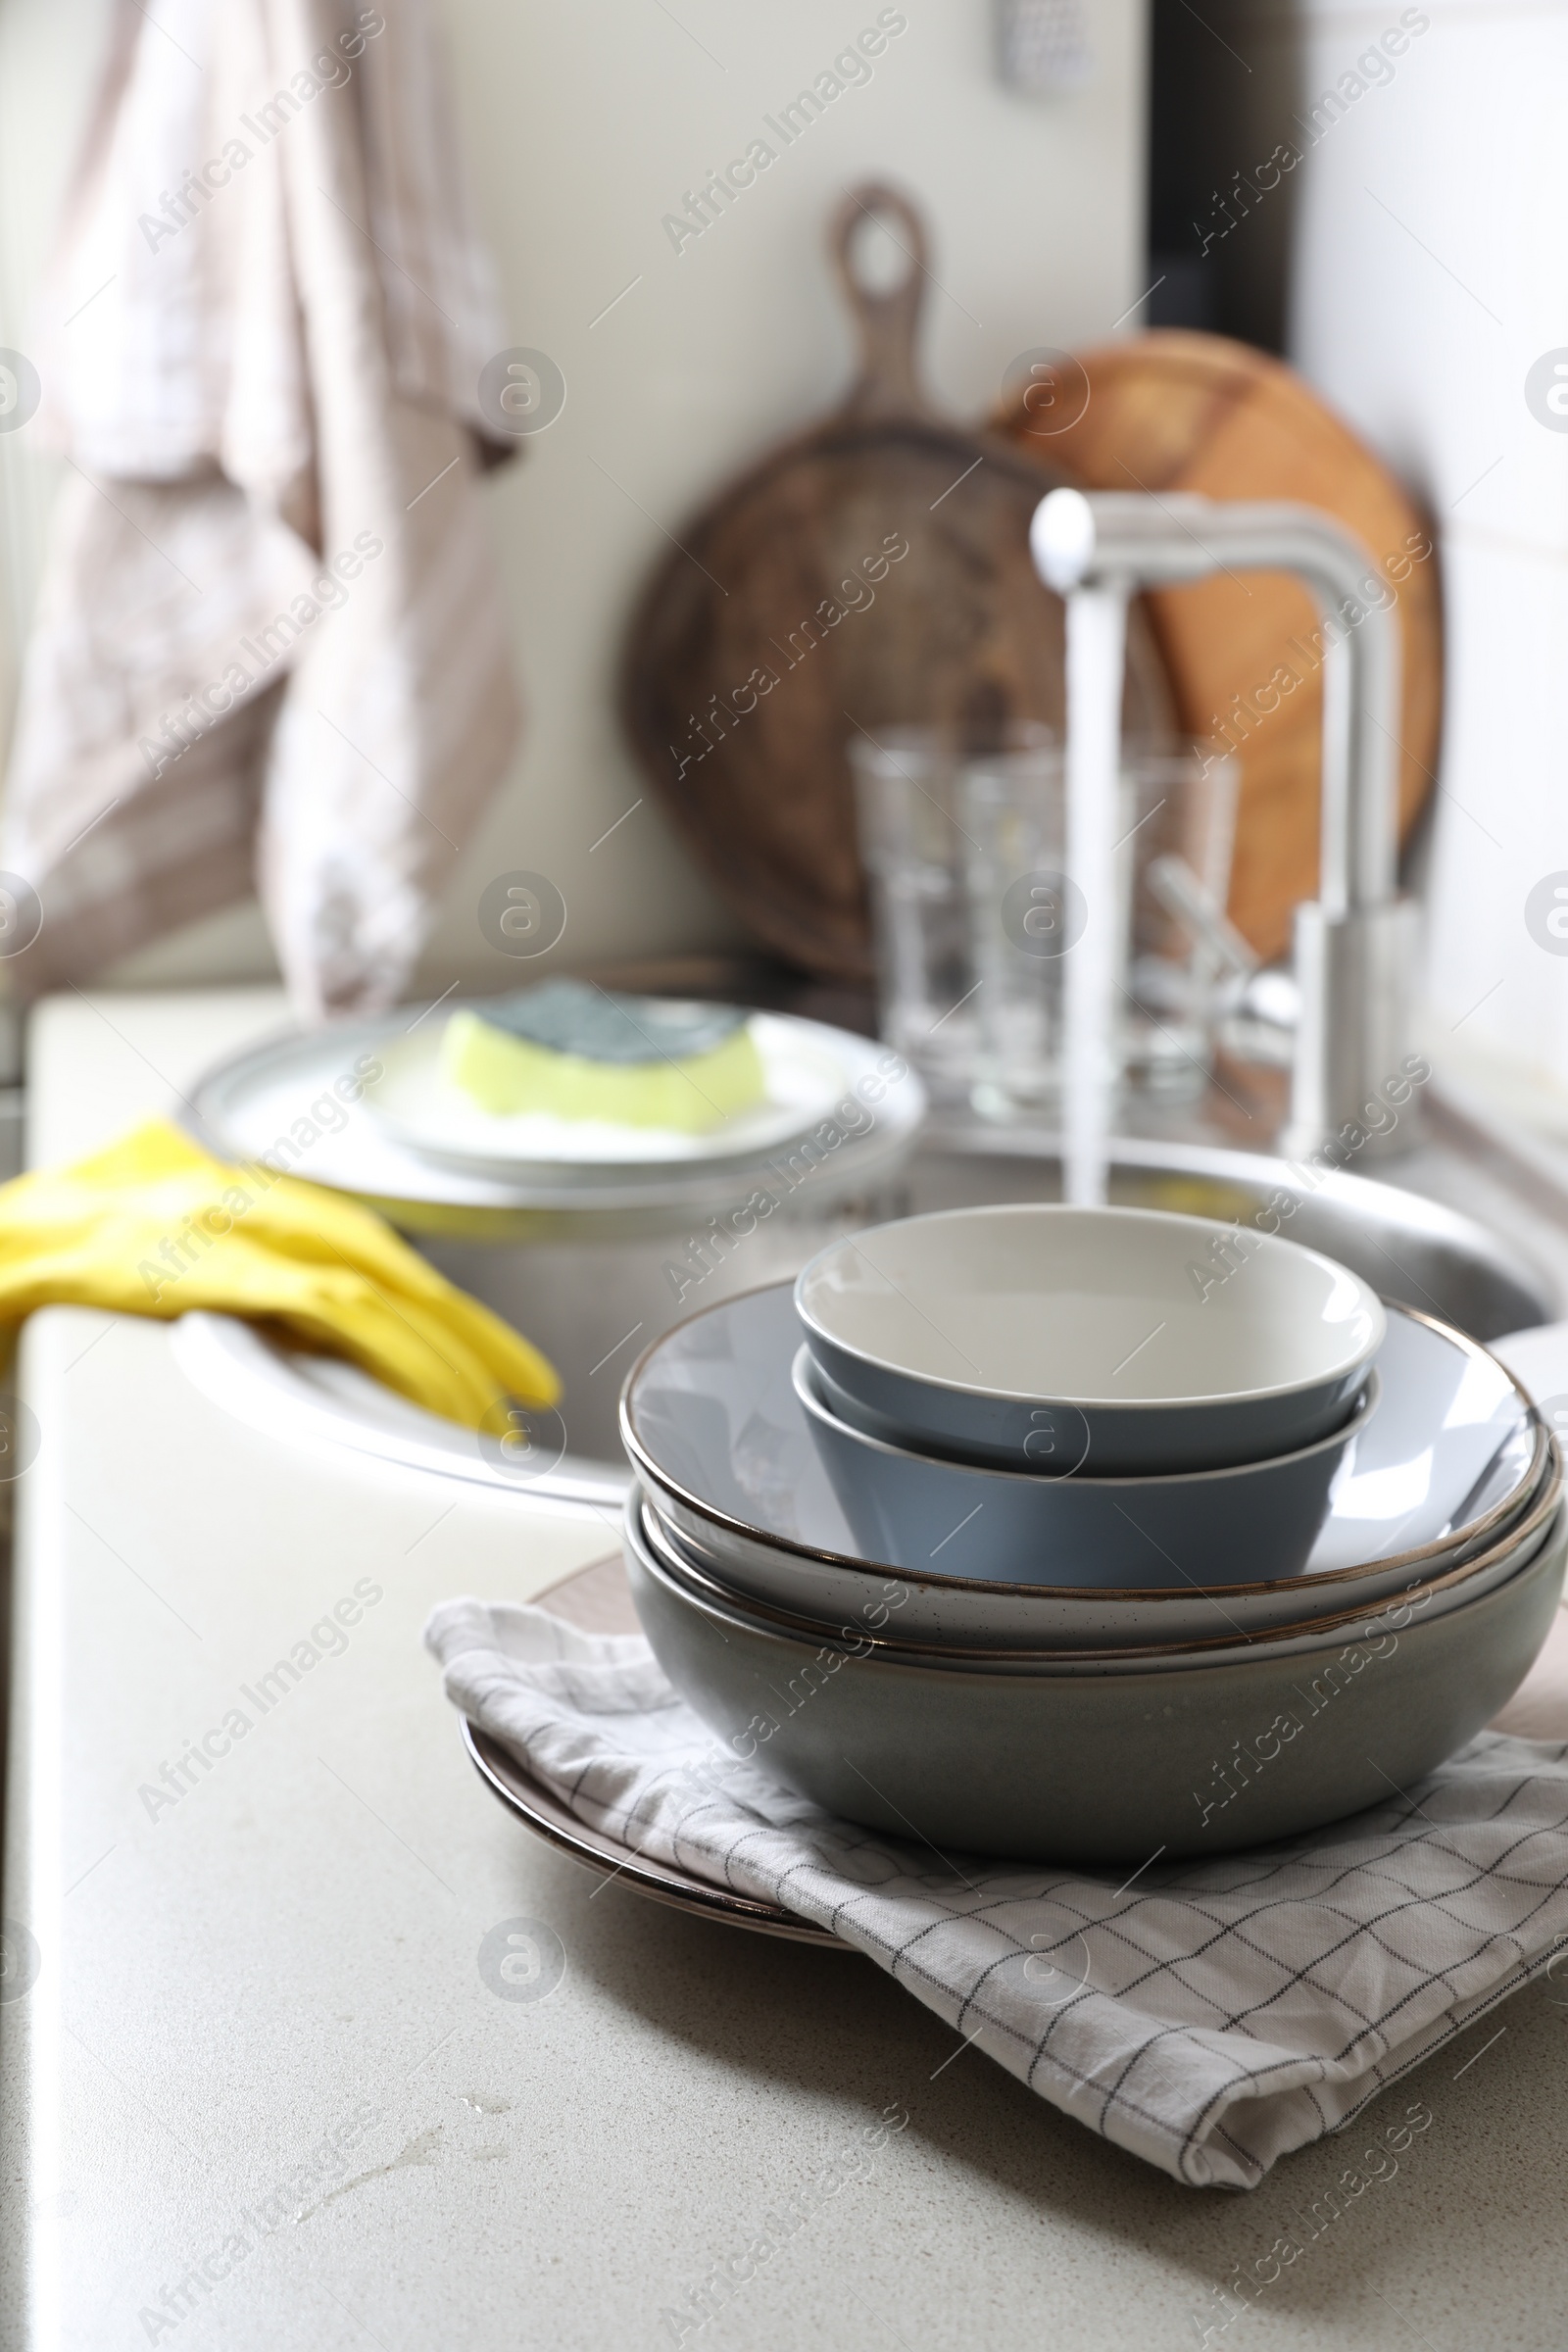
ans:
(271, 645)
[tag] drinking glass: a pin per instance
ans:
(1176, 961)
(915, 850)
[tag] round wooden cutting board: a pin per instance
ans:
(873, 572)
(1173, 411)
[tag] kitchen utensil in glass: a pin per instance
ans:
(1181, 966)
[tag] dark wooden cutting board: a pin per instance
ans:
(872, 572)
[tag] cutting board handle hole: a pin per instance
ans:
(878, 258)
(879, 245)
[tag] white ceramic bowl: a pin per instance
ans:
(1113, 1341)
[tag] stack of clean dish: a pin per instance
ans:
(1087, 1534)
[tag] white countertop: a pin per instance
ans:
(291, 1950)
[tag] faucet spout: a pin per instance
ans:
(1079, 538)
(1355, 945)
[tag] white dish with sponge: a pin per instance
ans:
(568, 1077)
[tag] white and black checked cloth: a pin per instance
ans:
(1209, 2016)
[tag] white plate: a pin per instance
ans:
(419, 1107)
(1447, 1462)
(246, 1106)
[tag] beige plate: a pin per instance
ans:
(598, 1599)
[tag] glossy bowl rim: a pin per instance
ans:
(1193, 1656)
(1216, 1401)
(1348, 1430)
(644, 1466)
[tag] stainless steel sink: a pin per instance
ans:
(1433, 1239)
(1406, 1246)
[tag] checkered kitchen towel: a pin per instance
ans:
(1211, 2017)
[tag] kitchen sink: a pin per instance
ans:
(593, 1307)
(1407, 1246)
(1458, 1227)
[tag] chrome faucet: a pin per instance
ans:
(1355, 944)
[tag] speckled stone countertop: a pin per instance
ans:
(266, 2085)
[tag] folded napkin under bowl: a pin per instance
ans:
(1209, 2015)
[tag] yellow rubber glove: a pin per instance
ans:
(154, 1226)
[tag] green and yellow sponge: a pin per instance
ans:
(578, 1052)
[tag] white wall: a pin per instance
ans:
(586, 121)
(1433, 272)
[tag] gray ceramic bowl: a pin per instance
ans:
(1256, 1521)
(1122, 1341)
(1331, 1616)
(1112, 1768)
(817, 1592)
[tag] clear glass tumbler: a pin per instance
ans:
(1175, 825)
(1183, 969)
(916, 852)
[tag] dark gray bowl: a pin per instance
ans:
(1110, 1768)
(1246, 1525)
